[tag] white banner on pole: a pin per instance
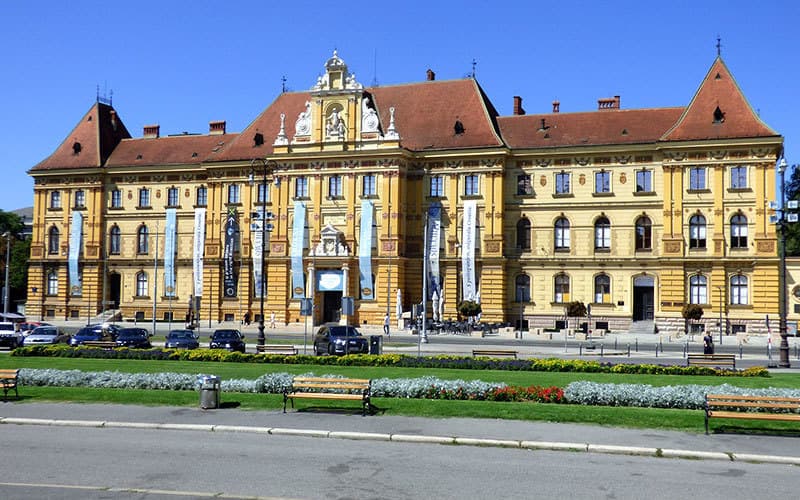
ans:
(199, 246)
(468, 230)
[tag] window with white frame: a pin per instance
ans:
(739, 294)
(644, 234)
(144, 198)
(172, 197)
(141, 284)
(116, 198)
(602, 234)
(80, 198)
(697, 232)
(562, 183)
(739, 231)
(602, 289)
(524, 184)
(437, 186)
(263, 193)
(114, 240)
(644, 181)
(524, 234)
(202, 196)
(335, 186)
(53, 240)
(561, 288)
(698, 289)
(301, 187)
(369, 186)
(602, 182)
(522, 288)
(55, 199)
(562, 234)
(697, 178)
(234, 194)
(142, 237)
(739, 177)
(471, 187)
(52, 283)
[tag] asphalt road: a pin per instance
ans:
(81, 463)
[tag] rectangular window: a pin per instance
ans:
(602, 182)
(263, 193)
(524, 185)
(697, 178)
(55, 199)
(437, 186)
(369, 186)
(471, 185)
(301, 187)
(335, 186)
(202, 196)
(144, 198)
(116, 198)
(644, 181)
(80, 199)
(234, 194)
(562, 183)
(172, 197)
(739, 178)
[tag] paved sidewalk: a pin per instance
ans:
(464, 431)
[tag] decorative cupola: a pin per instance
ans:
(336, 76)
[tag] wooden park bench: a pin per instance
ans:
(721, 360)
(8, 379)
(495, 353)
(100, 344)
(354, 389)
(752, 407)
(285, 349)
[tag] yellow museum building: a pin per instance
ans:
(636, 212)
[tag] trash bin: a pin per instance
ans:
(376, 344)
(209, 391)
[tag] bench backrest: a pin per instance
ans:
(712, 356)
(9, 373)
(330, 383)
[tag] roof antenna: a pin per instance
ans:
(474, 63)
(283, 84)
(719, 46)
(375, 68)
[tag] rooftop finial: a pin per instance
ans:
(719, 46)
(474, 63)
(283, 84)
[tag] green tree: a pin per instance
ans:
(792, 229)
(690, 312)
(20, 252)
(576, 309)
(469, 308)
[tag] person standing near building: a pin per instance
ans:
(386, 324)
(272, 319)
(708, 344)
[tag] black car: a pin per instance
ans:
(229, 339)
(94, 333)
(138, 338)
(337, 339)
(181, 339)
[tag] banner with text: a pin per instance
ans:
(434, 233)
(365, 251)
(468, 230)
(169, 252)
(229, 278)
(257, 235)
(75, 241)
(298, 236)
(199, 247)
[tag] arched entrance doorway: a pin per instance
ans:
(643, 298)
(114, 288)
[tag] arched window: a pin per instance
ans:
(523, 288)
(141, 284)
(142, 239)
(52, 283)
(602, 289)
(602, 234)
(698, 293)
(562, 234)
(561, 289)
(644, 233)
(739, 294)
(53, 238)
(114, 240)
(524, 234)
(697, 231)
(738, 231)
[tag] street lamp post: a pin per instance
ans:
(265, 169)
(721, 297)
(784, 348)
(7, 236)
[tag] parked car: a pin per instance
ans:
(93, 333)
(138, 338)
(181, 339)
(9, 337)
(336, 339)
(30, 326)
(229, 339)
(46, 335)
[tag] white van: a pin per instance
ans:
(8, 336)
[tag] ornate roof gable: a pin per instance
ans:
(718, 110)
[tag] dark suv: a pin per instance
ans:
(335, 339)
(93, 333)
(138, 338)
(229, 339)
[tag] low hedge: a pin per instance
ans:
(395, 360)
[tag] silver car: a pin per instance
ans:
(46, 335)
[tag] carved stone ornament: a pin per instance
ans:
(281, 139)
(543, 163)
(543, 180)
(369, 118)
(582, 179)
(623, 178)
(391, 132)
(335, 128)
(303, 124)
(331, 243)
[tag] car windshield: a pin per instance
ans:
(181, 334)
(344, 331)
(132, 332)
(86, 332)
(44, 330)
(226, 334)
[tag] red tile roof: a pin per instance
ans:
(170, 150)
(634, 126)
(718, 90)
(98, 133)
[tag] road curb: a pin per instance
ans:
(421, 439)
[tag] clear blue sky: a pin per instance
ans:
(183, 64)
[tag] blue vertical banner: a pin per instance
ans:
(365, 251)
(75, 241)
(298, 237)
(169, 252)
(434, 233)
(468, 230)
(229, 281)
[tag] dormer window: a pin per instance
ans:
(719, 116)
(76, 148)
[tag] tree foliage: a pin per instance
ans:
(20, 252)
(692, 311)
(793, 229)
(576, 309)
(469, 308)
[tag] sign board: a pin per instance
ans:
(306, 307)
(792, 217)
(793, 204)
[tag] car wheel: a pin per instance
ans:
(331, 349)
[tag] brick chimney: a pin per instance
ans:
(608, 103)
(518, 105)
(431, 75)
(556, 105)
(216, 128)
(151, 131)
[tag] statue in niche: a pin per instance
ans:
(303, 124)
(335, 126)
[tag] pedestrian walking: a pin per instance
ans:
(272, 319)
(708, 344)
(247, 318)
(386, 324)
